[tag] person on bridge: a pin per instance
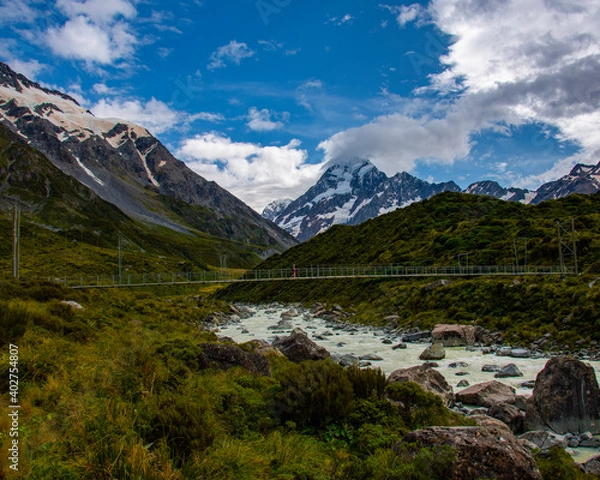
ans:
(294, 271)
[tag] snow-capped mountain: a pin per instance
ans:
(493, 189)
(355, 191)
(583, 179)
(126, 166)
(350, 193)
(273, 209)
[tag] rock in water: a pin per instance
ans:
(298, 347)
(509, 371)
(435, 352)
(427, 378)
(487, 394)
(487, 451)
(566, 398)
(454, 335)
(224, 357)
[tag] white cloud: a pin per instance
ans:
(395, 142)
(96, 31)
(406, 13)
(154, 115)
(255, 173)
(341, 21)
(99, 11)
(208, 117)
(17, 11)
(82, 39)
(234, 52)
(261, 120)
(509, 63)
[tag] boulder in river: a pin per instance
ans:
(486, 451)
(544, 440)
(509, 414)
(434, 352)
(487, 394)
(566, 398)
(298, 347)
(427, 378)
(454, 335)
(509, 371)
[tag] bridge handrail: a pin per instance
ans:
(309, 272)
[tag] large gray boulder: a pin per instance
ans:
(298, 347)
(427, 378)
(434, 352)
(487, 394)
(454, 335)
(566, 398)
(487, 451)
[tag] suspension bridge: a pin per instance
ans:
(317, 272)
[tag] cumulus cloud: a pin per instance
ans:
(154, 115)
(29, 68)
(17, 11)
(97, 31)
(508, 64)
(262, 120)
(257, 174)
(234, 52)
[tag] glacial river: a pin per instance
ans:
(364, 340)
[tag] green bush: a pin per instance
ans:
(313, 393)
(186, 426)
(557, 464)
(366, 382)
(419, 408)
(15, 318)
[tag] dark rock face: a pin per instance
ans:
(592, 466)
(509, 414)
(224, 357)
(454, 335)
(487, 451)
(298, 347)
(487, 394)
(566, 398)
(425, 376)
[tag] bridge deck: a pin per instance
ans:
(308, 273)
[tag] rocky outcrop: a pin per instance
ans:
(434, 352)
(298, 347)
(427, 378)
(487, 394)
(566, 398)
(487, 451)
(454, 335)
(224, 357)
(262, 348)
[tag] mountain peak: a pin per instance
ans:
(10, 78)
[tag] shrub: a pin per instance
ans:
(313, 393)
(14, 321)
(367, 382)
(559, 465)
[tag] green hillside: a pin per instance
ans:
(436, 231)
(68, 230)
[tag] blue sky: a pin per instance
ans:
(260, 95)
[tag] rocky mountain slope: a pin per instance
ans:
(127, 167)
(355, 191)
